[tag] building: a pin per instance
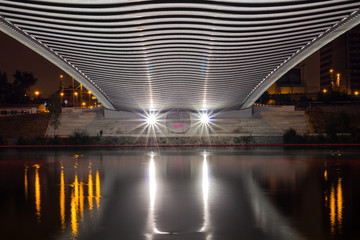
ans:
(304, 78)
(340, 63)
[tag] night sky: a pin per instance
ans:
(16, 56)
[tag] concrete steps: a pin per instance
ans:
(261, 124)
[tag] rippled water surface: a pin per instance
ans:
(180, 194)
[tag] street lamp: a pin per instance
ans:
(76, 95)
(61, 82)
(61, 97)
(89, 92)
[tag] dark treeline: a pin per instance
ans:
(17, 91)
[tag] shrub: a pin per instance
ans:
(3, 141)
(244, 140)
(80, 138)
(290, 136)
(23, 141)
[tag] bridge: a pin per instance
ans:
(193, 55)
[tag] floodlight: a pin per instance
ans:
(151, 119)
(204, 118)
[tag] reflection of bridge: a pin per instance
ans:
(264, 213)
(161, 55)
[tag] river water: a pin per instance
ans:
(259, 193)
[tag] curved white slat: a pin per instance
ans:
(177, 54)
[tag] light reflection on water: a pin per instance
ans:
(196, 195)
(37, 193)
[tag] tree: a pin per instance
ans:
(5, 88)
(23, 82)
(54, 107)
(16, 92)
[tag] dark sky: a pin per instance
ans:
(16, 56)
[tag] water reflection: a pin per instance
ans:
(37, 193)
(192, 195)
(205, 192)
(153, 185)
(74, 193)
(26, 182)
(62, 199)
(336, 207)
(90, 190)
(98, 191)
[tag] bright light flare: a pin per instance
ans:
(151, 119)
(204, 118)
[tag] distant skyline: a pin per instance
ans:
(16, 56)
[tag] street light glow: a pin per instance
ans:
(204, 118)
(151, 119)
(37, 93)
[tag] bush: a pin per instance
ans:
(244, 140)
(81, 138)
(3, 141)
(290, 136)
(23, 141)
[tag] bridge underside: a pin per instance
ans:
(158, 55)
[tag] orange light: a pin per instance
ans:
(89, 92)
(83, 103)
(356, 93)
(37, 93)
(62, 94)
(331, 70)
(61, 76)
(75, 93)
(324, 90)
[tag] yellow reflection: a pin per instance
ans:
(26, 182)
(81, 201)
(90, 191)
(339, 203)
(62, 200)
(97, 187)
(75, 206)
(336, 207)
(76, 187)
(74, 223)
(325, 175)
(37, 192)
(332, 209)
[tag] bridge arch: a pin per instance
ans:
(142, 55)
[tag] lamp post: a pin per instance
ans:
(61, 97)
(89, 92)
(76, 96)
(61, 83)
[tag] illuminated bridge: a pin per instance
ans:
(159, 55)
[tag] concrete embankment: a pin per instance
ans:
(264, 126)
(28, 125)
